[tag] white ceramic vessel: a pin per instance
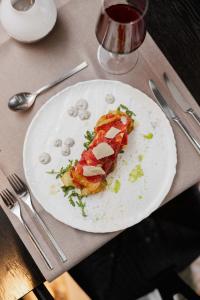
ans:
(30, 24)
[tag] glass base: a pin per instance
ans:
(117, 64)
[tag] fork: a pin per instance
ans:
(23, 192)
(14, 205)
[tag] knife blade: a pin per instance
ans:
(180, 100)
(171, 115)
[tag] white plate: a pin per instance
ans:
(107, 211)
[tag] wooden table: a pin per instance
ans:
(174, 25)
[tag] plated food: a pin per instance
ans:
(108, 139)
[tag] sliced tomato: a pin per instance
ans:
(104, 127)
(99, 138)
(108, 165)
(106, 120)
(89, 158)
(96, 178)
(79, 168)
(117, 140)
(118, 124)
(125, 139)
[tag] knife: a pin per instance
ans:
(172, 116)
(180, 100)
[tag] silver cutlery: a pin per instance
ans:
(23, 101)
(182, 102)
(14, 205)
(23, 193)
(172, 116)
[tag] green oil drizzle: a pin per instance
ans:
(136, 173)
(140, 157)
(117, 186)
(148, 136)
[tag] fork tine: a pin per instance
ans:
(10, 180)
(20, 181)
(7, 203)
(8, 197)
(13, 182)
(12, 198)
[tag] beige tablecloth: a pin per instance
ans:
(27, 67)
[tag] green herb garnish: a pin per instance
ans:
(89, 135)
(127, 110)
(63, 170)
(73, 197)
(118, 109)
(71, 200)
(78, 200)
(82, 205)
(67, 189)
(52, 172)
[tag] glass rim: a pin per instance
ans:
(132, 22)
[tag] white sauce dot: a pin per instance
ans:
(44, 158)
(66, 151)
(69, 142)
(57, 143)
(110, 99)
(72, 111)
(84, 114)
(82, 104)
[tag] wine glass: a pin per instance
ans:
(120, 31)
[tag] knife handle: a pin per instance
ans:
(190, 137)
(194, 115)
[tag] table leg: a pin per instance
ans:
(42, 293)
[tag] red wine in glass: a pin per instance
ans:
(120, 30)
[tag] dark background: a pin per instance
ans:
(175, 27)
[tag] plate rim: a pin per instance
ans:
(152, 207)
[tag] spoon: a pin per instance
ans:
(23, 101)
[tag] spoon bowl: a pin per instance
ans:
(21, 101)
